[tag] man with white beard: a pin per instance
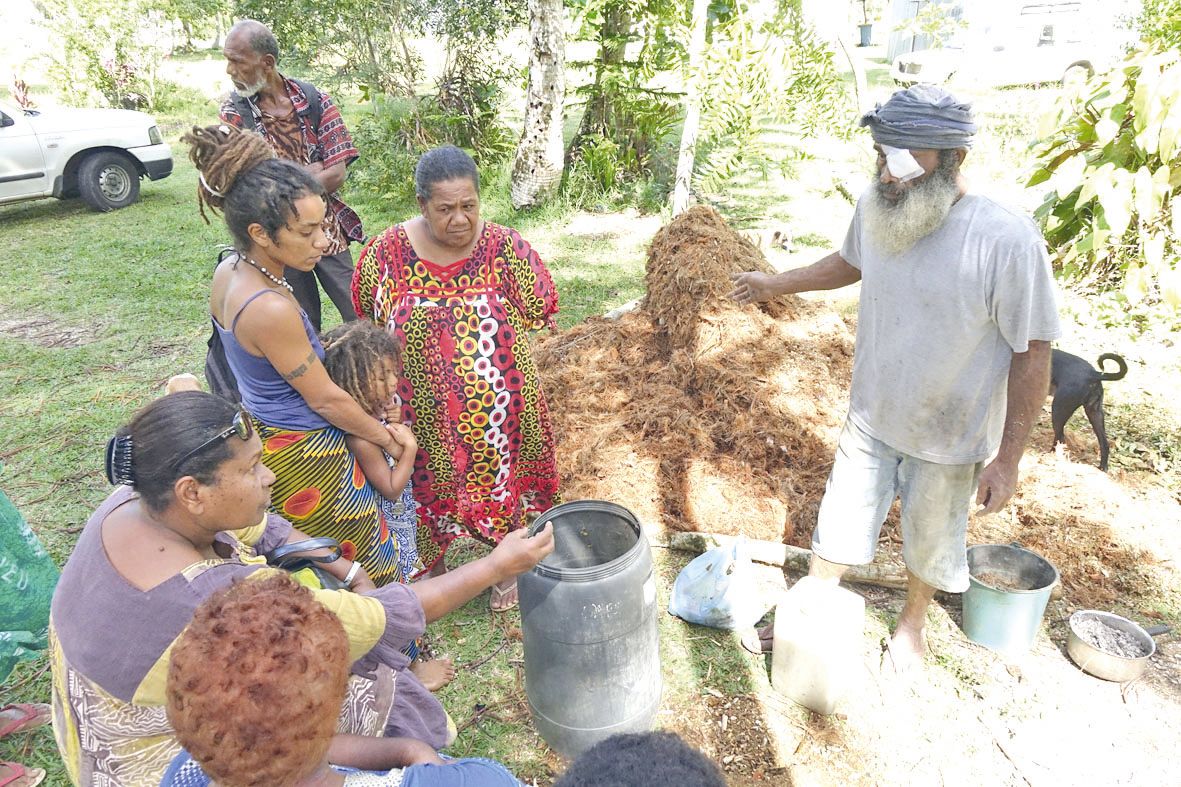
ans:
(302, 125)
(952, 360)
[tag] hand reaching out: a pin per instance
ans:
(752, 287)
(518, 551)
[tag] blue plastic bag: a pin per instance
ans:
(718, 589)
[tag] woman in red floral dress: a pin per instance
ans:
(461, 295)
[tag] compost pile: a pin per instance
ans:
(696, 412)
(699, 414)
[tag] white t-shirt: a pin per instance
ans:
(937, 327)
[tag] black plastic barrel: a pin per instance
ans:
(588, 620)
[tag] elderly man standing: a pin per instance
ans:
(952, 360)
(303, 125)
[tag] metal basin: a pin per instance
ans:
(1106, 665)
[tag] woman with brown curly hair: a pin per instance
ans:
(189, 518)
(255, 686)
(274, 211)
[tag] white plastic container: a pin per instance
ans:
(818, 630)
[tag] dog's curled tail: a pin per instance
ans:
(1120, 362)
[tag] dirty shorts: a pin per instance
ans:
(865, 479)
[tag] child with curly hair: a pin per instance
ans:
(366, 362)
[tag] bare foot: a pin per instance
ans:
(762, 640)
(904, 652)
(15, 775)
(182, 382)
(504, 596)
(434, 674)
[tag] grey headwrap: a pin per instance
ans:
(922, 117)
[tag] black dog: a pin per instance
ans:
(1075, 383)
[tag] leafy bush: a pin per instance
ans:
(597, 161)
(180, 107)
(106, 51)
(764, 77)
(937, 22)
(345, 42)
(1159, 23)
(624, 102)
(1112, 155)
(765, 74)
(398, 130)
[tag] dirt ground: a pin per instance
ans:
(700, 415)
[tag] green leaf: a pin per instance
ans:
(1041, 175)
(1170, 286)
(1105, 130)
(1144, 194)
(1135, 284)
(1116, 199)
(1154, 253)
(1069, 175)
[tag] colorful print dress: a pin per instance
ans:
(469, 387)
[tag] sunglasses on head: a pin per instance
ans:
(240, 426)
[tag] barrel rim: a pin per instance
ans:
(611, 567)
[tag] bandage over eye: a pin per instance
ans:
(901, 164)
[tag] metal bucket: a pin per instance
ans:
(1106, 665)
(1009, 588)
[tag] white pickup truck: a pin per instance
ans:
(97, 154)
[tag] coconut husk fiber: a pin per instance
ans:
(695, 412)
(702, 415)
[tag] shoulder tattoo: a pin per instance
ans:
(302, 369)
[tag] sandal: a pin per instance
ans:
(496, 602)
(20, 776)
(32, 714)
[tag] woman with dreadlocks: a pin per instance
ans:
(274, 211)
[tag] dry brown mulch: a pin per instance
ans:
(700, 414)
(696, 412)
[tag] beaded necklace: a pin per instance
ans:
(281, 280)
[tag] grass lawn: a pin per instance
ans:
(105, 307)
(97, 310)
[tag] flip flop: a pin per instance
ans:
(18, 772)
(32, 714)
(495, 602)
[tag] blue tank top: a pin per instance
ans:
(265, 394)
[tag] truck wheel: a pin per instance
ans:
(108, 181)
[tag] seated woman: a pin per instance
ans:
(255, 684)
(188, 519)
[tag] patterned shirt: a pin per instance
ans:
(330, 144)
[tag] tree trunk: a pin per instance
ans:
(537, 168)
(860, 81)
(598, 117)
(682, 190)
